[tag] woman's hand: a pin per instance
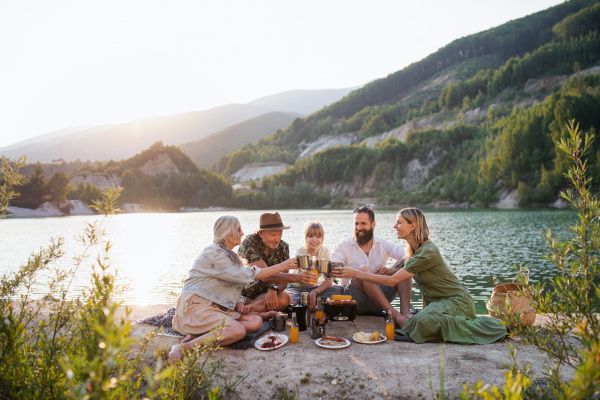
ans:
(243, 309)
(345, 272)
(313, 300)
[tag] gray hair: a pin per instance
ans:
(225, 225)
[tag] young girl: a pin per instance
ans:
(313, 246)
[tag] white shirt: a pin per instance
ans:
(353, 256)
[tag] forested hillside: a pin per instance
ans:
(490, 130)
(160, 177)
(510, 41)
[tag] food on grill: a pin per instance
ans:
(342, 302)
(340, 297)
(271, 341)
(374, 337)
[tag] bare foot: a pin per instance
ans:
(188, 338)
(400, 319)
(175, 355)
(267, 315)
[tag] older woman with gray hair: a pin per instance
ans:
(212, 292)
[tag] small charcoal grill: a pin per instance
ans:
(343, 312)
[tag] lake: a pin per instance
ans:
(154, 252)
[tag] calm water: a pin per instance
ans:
(153, 252)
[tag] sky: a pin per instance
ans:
(70, 63)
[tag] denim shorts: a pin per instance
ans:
(295, 291)
(365, 304)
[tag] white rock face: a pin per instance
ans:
(49, 209)
(401, 132)
(506, 199)
(258, 171)
(416, 171)
(80, 208)
(98, 180)
(560, 203)
(160, 165)
(133, 208)
(328, 141)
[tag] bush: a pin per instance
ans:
(79, 349)
(570, 301)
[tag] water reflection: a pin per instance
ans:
(153, 252)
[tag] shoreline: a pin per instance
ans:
(143, 209)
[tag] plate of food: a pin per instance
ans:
(330, 342)
(369, 338)
(271, 342)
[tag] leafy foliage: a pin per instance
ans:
(72, 345)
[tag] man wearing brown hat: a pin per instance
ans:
(264, 248)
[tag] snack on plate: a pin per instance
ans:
(362, 337)
(340, 297)
(332, 341)
(271, 341)
(374, 337)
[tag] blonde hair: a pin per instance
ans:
(311, 228)
(224, 226)
(421, 231)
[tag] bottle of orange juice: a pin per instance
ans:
(389, 326)
(319, 310)
(294, 331)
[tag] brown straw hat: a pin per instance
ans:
(271, 222)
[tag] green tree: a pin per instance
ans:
(57, 185)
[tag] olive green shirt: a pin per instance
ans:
(432, 275)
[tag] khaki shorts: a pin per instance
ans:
(194, 315)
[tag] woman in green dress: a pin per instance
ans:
(448, 310)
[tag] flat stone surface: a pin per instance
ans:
(390, 370)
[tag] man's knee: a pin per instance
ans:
(365, 268)
(283, 299)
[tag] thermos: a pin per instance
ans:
(305, 301)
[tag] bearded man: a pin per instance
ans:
(364, 248)
(264, 248)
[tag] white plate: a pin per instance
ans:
(260, 341)
(373, 342)
(332, 347)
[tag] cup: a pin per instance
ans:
(325, 267)
(278, 323)
(303, 262)
(335, 267)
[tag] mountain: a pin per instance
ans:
(208, 150)
(474, 123)
(47, 136)
(124, 140)
(302, 101)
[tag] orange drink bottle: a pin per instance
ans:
(319, 310)
(389, 326)
(294, 330)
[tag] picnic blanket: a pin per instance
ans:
(164, 322)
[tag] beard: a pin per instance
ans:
(365, 238)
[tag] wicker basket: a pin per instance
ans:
(519, 304)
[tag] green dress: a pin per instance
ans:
(448, 309)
